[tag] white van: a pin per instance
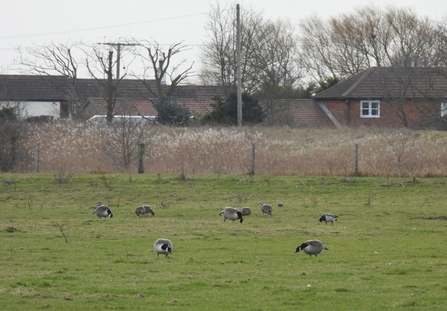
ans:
(102, 119)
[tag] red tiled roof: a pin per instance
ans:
(146, 108)
(391, 82)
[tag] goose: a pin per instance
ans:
(311, 247)
(163, 246)
(144, 209)
(246, 211)
(280, 204)
(327, 218)
(231, 213)
(266, 208)
(103, 211)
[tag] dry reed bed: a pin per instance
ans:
(80, 148)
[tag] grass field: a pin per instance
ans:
(387, 251)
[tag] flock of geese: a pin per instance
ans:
(164, 246)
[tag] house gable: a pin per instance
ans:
(406, 97)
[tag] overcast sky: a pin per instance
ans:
(26, 23)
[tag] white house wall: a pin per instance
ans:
(35, 109)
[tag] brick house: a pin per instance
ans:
(389, 97)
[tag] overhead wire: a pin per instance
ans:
(99, 28)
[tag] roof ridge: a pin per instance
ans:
(363, 77)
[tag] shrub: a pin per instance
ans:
(172, 113)
(225, 111)
(12, 132)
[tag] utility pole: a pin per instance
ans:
(118, 46)
(111, 90)
(238, 52)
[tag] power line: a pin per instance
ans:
(98, 28)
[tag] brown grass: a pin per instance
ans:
(80, 148)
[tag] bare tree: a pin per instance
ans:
(412, 39)
(275, 60)
(219, 53)
(102, 69)
(270, 64)
(441, 43)
(158, 63)
(347, 44)
(121, 141)
(55, 59)
(402, 146)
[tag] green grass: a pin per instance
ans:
(386, 252)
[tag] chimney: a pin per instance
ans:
(162, 78)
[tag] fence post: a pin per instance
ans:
(141, 149)
(38, 158)
(356, 163)
(253, 152)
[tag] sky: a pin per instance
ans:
(30, 23)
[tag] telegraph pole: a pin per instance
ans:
(118, 46)
(238, 52)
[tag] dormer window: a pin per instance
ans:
(370, 109)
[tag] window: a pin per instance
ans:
(370, 109)
(443, 109)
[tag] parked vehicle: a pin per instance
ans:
(101, 119)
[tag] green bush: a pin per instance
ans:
(225, 111)
(172, 113)
(11, 135)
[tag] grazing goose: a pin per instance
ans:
(327, 218)
(163, 246)
(231, 213)
(266, 208)
(280, 204)
(103, 211)
(144, 209)
(246, 211)
(312, 247)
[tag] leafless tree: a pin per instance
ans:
(402, 146)
(219, 52)
(55, 59)
(275, 60)
(158, 63)
(316, 48)
(121, 141)
(412, 39)
(270, 64)
(347, 44)
(441, 43)
(102, 68)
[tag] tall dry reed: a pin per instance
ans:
(80, 148)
